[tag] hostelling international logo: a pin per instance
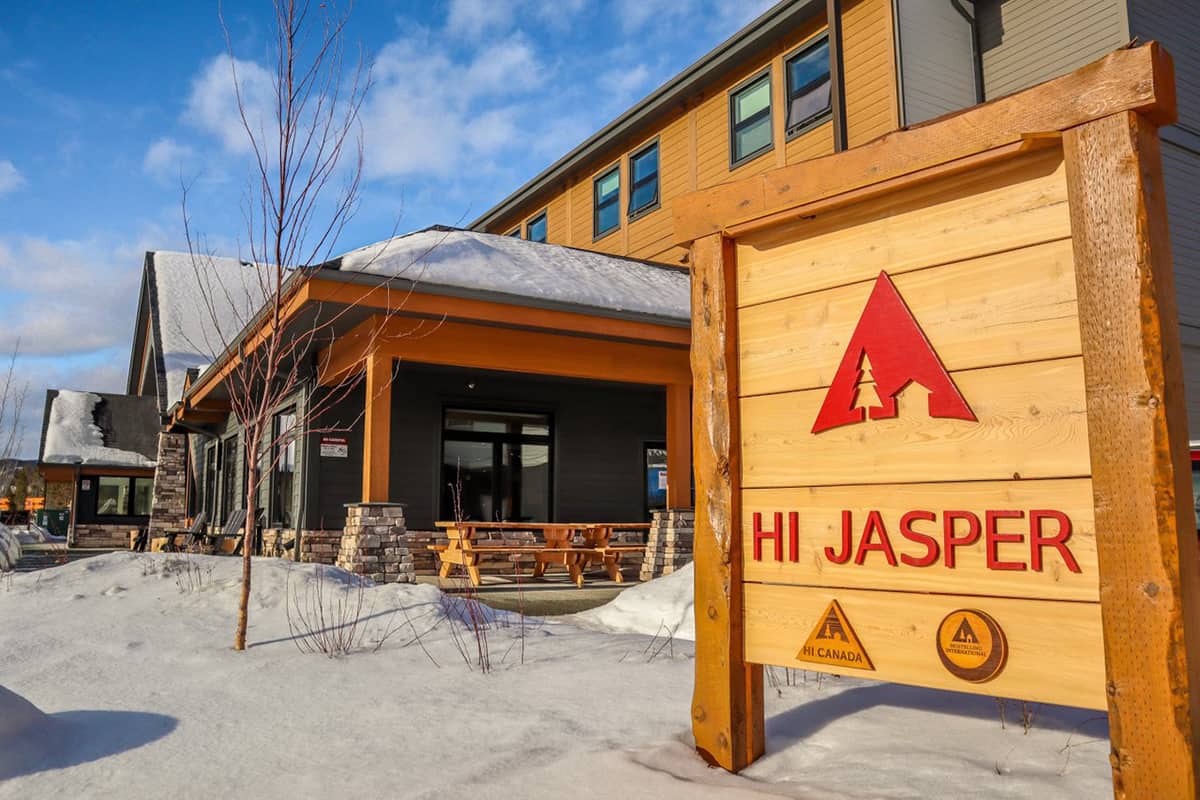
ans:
(889, 350)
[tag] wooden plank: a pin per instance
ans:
(377, 428)
(999, 309)
(679, 445)
(727, 702)
(1150, 583)
(1032, 423)
(913, 564)
(1054, 649)
(503, 348)
(1139, 79)
(1012, 204)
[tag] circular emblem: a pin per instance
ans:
(972, 645)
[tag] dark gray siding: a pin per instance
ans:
(1025, 42)
(1181, 173)
(937, 58)
(333, 482)
(599, 431)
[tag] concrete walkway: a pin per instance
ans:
(549, 596)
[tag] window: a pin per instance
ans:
(643, 180)
(750, 120)
(607, 202)
(211, 468)
(808, 86)
(124, 497)
(535, 229)
(496, 465)
(283, 475)
(229, 489)
(516, 232)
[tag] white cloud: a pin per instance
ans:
(11, 178)
(165, 157)
(473, 18)
(213, 102)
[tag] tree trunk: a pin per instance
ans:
(239, 640)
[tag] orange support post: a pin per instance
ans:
(679, 445)
(377, 428)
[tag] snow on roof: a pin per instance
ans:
(73, 437)
(192, 335)
(546, 273)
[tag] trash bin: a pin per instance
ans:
(55, 520)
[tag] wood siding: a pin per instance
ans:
(1024, 42)
(694, 144)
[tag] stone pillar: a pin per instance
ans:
(374, 543)
(669, 543)
(169, 511)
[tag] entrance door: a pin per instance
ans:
(496, 466)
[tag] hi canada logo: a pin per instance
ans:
(889, 349)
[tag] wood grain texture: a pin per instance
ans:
(377, 428)
(679, 445)
(727, 705)
(1138, 79)
(1055, 654)
(1032, 423)
(999, 309)
(1013, 204)
(1146, 533)
(820, 526)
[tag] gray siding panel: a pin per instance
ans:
(1025, 42)
(937, 59)
(1181, 173)
(1175, 24)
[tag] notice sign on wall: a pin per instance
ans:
(937, 410)
(334, 446)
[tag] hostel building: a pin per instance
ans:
(550, 376)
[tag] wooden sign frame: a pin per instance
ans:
(1104, 118)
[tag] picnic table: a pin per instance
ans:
(573, 545)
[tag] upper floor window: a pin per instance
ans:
(606, 215)
(750, 120)
(515, 232)
(535, 229)
(643, 180)
(808, 86)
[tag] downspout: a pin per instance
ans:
(837, 74)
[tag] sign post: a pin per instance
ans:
(939, 425)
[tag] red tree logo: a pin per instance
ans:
(889, 348)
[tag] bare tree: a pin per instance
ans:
(13, 392)
(303, 188)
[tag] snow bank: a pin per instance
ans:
(506, 265)
(36, 534)
(659, 607)
(129, 656)
(10, 549)
(72, 436)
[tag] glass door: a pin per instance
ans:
(496, 466)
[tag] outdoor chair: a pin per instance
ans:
(230, 531)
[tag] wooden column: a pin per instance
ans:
(1146, 534)
(727, 706)
(679, 445)
(377, 428)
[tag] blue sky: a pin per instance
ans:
(105, 107)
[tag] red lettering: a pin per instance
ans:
(775, 536)
(952, 541)
(1038, 541)
(794, 535)
(994, 538)
(932, 550)
(874, 525)
(844, 556)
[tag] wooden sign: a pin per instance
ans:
(939, 425)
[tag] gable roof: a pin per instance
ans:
(98, 429)
(184, 334)
(735, 54)
(442, 260)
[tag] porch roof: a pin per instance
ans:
(506, 269)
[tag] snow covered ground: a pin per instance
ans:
(118, 681)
